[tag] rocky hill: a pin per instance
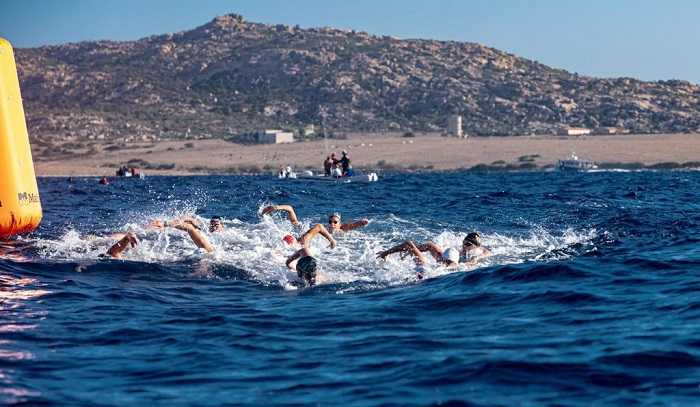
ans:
(231, 75)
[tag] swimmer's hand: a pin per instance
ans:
(332, 243)
(118, 248)
(382, 255)
(131, 239)
(191, 221)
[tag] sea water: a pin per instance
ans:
(591, 296)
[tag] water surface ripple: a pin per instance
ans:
(591, 296)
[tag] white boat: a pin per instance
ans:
(317, 177)
(125, 172)
(573, 163)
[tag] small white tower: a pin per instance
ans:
(454, 126)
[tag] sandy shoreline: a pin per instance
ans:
(375, 152)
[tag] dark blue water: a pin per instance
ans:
(592, 295)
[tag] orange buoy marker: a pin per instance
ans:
(20, 209)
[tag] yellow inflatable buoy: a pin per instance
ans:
(20, 209)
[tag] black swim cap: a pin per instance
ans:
(473, 238)
(306, 269)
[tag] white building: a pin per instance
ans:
(266, 137)
(574, 131)
(454, 126)
(275, 137)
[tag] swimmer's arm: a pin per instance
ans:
(291, 214)
(160, 223)
(129, 240)
(317, 229)
(396, 249)
(476, 258)
(435, 250)
(195, 234)
(299, 253)
(405, 247)
(291, 258)
(324, 232)
(354, 225)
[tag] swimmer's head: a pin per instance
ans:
(215, 224)
(334, 221)
(451, 255)
(289, 239)
(306, 269)
(471, 240)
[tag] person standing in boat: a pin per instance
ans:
(327, 166)
(345, 164)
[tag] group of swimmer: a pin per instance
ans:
(302, 260)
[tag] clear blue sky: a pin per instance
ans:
(646, 39)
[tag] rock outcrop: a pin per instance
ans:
(231, 75)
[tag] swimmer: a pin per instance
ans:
(215, 224)
(334, 220)
(472, 251)
(306, 267)
(306, 264)
(192, 228)
(186, 224)
(336, 226)
(449, 258)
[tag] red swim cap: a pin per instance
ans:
(289, 239)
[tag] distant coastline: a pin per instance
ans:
(232, 76)
(383, 152)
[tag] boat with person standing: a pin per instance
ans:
(574, 163)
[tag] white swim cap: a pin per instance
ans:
(451, 255)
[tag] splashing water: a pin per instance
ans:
(259, 250)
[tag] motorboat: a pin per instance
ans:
(574, 163)
(288, 174)
(126, 172)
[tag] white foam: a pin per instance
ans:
(258, 249)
